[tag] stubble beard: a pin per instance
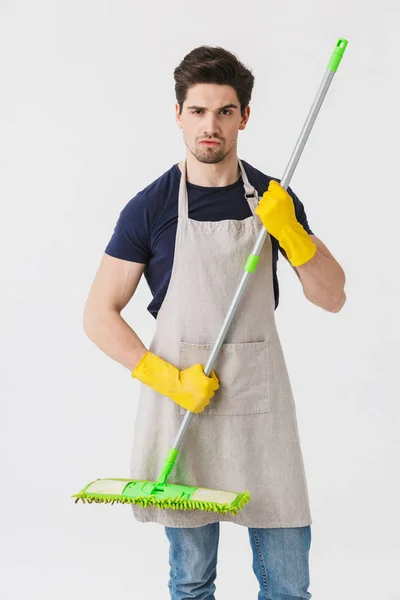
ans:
(210, 155)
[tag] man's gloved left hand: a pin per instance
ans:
(276, 211)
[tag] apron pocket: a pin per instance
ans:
(243, 372)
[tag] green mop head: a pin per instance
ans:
(161, 494)
(167, 495)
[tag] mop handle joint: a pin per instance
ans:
(251, 263)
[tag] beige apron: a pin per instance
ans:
(247, 438)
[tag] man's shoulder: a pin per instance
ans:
(256, 176)
(165, 180)
(154, 195)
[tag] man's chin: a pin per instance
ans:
(209, 156)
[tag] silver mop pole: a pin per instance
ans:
(253, 258)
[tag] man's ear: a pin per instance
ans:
(178, 116)
(245, 118)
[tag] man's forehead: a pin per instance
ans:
(211, 95)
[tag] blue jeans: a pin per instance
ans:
(280, 562)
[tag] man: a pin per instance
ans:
(190, 232)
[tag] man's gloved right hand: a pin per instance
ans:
(190, 388)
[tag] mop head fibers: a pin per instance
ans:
(166, 495)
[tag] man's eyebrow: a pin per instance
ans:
(204, 108)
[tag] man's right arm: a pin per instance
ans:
(114, 285)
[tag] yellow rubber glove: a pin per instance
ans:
(276, 211)
(190, 388)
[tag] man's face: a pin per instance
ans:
(211, 112)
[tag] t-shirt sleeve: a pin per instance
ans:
(130, 240)
(300, 214)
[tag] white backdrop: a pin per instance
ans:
(87, 120)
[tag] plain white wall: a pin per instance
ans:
(87, 120)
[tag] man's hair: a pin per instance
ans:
(207, 64)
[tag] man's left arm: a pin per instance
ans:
(323, 279)
(320, 274)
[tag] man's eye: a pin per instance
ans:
(198, 111)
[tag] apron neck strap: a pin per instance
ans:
(250, 193)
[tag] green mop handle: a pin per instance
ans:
(254, 257)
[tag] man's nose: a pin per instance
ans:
(210, 125)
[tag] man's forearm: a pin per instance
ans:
(110, 332)
(323, 281)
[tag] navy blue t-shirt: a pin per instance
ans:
(146, 229)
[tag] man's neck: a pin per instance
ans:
(220, 174)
